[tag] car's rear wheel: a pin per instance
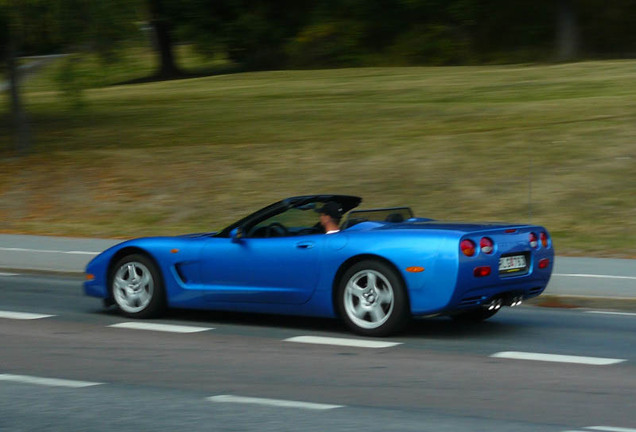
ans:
(137, 287)
(371, 299)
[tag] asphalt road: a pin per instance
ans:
(234, 372)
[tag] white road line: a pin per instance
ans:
(51, 382)
(594, 361)
(272, 402)
(603, 428)
(580, 275)
(22, 315)
(160, 327)
(358, 343)
(8, 274)
(72, 252)
(611, 313)
(610, 429)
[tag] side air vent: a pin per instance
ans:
(180, 273)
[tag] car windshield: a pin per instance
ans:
(301, 220)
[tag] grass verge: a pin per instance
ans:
(553, 145)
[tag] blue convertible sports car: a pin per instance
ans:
(383, 267)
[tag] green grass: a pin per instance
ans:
(458, 143)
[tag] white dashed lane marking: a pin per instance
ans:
(2, 274)
(603, 429)
(50, 382)
(22, 315)
(161, 327)
(611, 313)
(72, 252)
(594, 276)
(610, 429)
(357, 343)
(556, 358)
(272, 402)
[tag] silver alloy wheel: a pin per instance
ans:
(368, 299)
(133, 287)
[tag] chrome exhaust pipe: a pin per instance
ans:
(494, 304)
(516, 301)
(498, 303)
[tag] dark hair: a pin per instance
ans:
(332, 209)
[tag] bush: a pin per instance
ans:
(329, 44)
(71, 80)
(430, 45)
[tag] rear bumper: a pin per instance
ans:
(484, 296)
(474, 290)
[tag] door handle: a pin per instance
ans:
(305, 245)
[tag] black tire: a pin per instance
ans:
(137, 287)
(475, 315)
(375, 310)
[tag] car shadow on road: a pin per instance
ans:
(259, 320)
(447, 328)
(429, 328)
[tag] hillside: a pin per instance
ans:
(554, 145)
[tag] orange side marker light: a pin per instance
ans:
(174, 250)
(415, 269)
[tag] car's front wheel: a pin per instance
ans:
(137, 288)
(371, 299)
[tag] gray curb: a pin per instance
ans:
(588, 302)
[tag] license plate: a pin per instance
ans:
(512, 264)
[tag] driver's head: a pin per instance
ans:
(331, 209)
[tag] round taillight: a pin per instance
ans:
(534, 240)
(467, 247)
(544, 239)
(486, 245)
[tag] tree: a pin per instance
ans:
(8, 49)
(29, 27)
(251, 33)
(162, 26)
(567, 31)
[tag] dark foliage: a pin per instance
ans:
(264, 34)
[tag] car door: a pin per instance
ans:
(262, 270)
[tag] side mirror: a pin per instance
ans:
(236, 235)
